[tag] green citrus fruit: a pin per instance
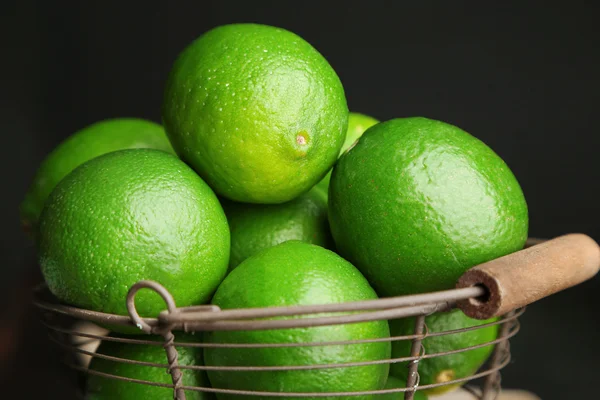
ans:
(289, 274)
(357, 125)
(97, 139)
(430, 202)
(257, 226)
(395, 383)
(104, 388)
(256, 111)
(449, 367)
(127, 216)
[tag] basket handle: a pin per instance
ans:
(520, 278)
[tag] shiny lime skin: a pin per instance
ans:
(357, 125)
(444, 368)
(257, 226)
(127, 216)
(394, 383)
(256, 111)
(99, 138)
(103, 388)
(417, 202)
(297, 273)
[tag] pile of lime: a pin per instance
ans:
(262, 190)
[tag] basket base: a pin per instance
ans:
(507, 394)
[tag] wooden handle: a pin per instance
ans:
(521, 278)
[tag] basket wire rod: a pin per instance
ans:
(412, 381)
(252, 325)
(91, 336)
(164, 331)
(78, 367)
(74, 349)
(473, 391)
(492, 380)
(212, 315)
(176, 374)
(205, 315)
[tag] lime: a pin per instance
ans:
(417, 202)
(357, 125)
(257, 226)
(104, 388)
(127, 216)
(256, 111)
(97, 139)
(289, 274)
(448, 367)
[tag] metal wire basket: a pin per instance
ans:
(502, 287)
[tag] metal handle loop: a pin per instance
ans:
(160, 290)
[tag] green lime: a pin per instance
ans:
(449, 367)
(417, 202)
(289, 274)
(97, 139)
(127, 216)
(104, 388)
(395, 383)
(256, 111)
(257, 226)
(357, 125)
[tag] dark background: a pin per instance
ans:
(521, 76)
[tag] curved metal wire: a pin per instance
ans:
(73, 332)
(481, 374)
(76, 349)
(190, 318)
(206, 318)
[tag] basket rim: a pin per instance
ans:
(202, 318)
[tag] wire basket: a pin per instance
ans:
(502, 287)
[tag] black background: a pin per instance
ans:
(521, 76)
